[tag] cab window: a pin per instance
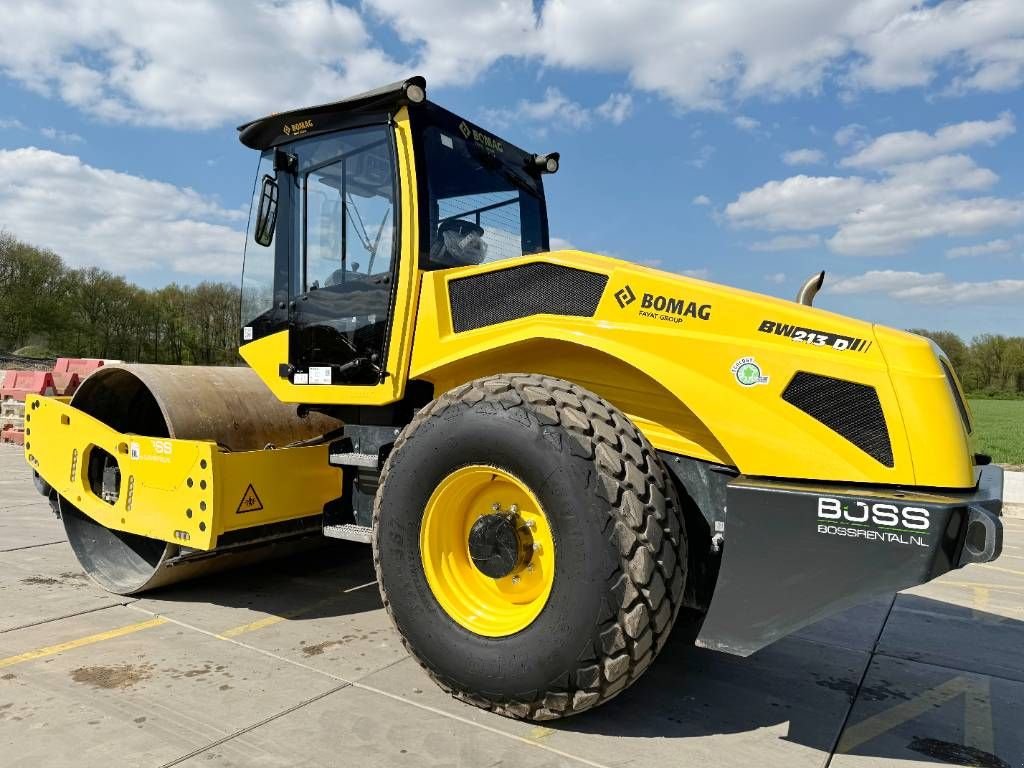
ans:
(482, 206)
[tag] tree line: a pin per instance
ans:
(989, 365)
(48, 309)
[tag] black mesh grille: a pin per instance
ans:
(960, 404)
(851, 409)
(522, 291)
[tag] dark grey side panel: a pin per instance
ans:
(791, 558)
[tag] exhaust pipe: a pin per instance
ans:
(810, 289)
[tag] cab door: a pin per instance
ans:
(343, 279)
(350, 238)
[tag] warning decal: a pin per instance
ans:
(250, 501)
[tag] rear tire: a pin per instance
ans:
(618, 535)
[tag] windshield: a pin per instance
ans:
(484, 204)
(258, 263)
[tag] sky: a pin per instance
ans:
(750, 144)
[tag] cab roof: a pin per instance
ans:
(269, 131)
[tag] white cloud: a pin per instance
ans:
(616, 108)
(457, 40)
(703, 156)
(908, 202)
(983, 249)
(9, 123)
(803, 157)
(97, 217)
(854, 135)
(201, 63)
(64, 137)
(777, 278)
(190, 65)
(926, 288)
(905, 146)
(557, 109)
(701, 274)
(701, 200)
(787, 243)
(746, 124)
(561, 244)
(980, 40)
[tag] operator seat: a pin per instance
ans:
(459, 243)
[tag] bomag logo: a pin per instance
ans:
(668, 309)
(489, 143)
(625, 296)
(296, 128)
(673, 309)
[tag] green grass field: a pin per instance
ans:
(999, 429)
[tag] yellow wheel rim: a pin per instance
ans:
(492, 607)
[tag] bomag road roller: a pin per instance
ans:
(554, 455)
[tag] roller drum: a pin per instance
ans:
(230, 406)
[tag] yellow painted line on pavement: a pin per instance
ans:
(51, 650)
(972, 584)
(980, 603)
(269, 621)
(977, 714)
(266, 621)
(1002, 570)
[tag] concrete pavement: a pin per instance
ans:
(296, 664)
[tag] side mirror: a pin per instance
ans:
(266, 214)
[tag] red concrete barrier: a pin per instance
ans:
(83, 366)
(15, 436)
(19, 384)
(65, 384)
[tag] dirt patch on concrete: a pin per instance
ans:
(113, 676)
(40, 581)
(319, 648)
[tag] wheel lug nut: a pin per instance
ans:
(514, 509)
(496, 507)
(536, 547)
(529, 568)
(531, 524)
(515, 579)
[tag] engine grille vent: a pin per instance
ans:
(528, 289)
(846, 407)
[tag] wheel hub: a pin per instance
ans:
(487, 550)
(500, 544)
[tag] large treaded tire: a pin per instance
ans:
(618, 586)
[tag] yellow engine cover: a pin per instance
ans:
(702, 370)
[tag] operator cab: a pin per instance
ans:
(325, 235)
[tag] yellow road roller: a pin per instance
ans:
(556, 456)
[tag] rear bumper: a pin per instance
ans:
(795, 552)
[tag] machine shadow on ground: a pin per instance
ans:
(320, 583)
(892, 707)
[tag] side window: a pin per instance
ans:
(349, 208)
(484, 207)
(496, 214)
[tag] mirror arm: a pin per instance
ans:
(285, 161)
